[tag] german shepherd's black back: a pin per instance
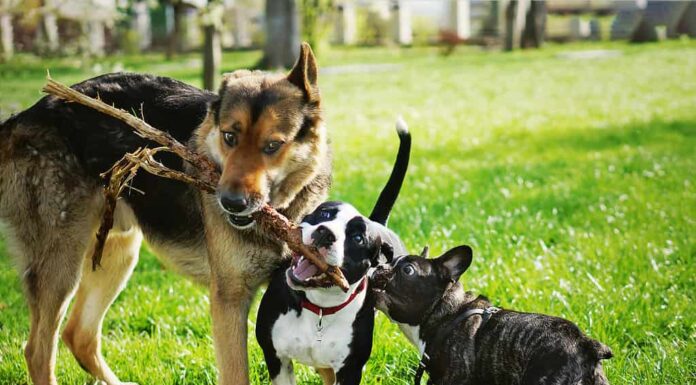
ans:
(98, 141)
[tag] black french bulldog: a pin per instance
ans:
(464, 340)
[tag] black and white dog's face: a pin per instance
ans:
(345, 238)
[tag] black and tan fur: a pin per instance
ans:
(51, 201)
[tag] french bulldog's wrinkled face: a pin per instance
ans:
(344, 237)
(407, 288)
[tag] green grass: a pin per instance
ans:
(573, 180)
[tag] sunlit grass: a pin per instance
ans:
(571, 179)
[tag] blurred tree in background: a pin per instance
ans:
(7, 9)
(211, 19)
(282, 34)
(316, 18)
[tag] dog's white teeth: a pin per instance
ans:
(315, 277)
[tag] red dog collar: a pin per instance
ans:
(322, 311)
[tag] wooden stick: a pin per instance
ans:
(278, 225)
(144, 158)
(267, 217)
(123, 171)
(204, 165)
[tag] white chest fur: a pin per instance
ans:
(295, 337)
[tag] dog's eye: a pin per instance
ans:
(359, 239)
(272, 147)
(230, 138)
(408, 269)
(323, 214)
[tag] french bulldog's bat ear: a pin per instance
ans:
(425, 253)
(456, 261)
(304, 73)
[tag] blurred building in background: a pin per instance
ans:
(97, 27)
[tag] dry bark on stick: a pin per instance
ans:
(118, 175)
(276, 224)
(204, 166)
(123, 171)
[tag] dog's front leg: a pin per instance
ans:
(230, 299)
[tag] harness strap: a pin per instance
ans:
(425, 360)
(439, 337)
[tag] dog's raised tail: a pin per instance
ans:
(603, 351)
(387, 198)
(597, 350)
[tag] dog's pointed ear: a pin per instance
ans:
(456, 261)
(304, 74)
(425, 253)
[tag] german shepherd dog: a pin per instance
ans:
(264, 131)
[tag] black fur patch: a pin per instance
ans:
(168, 209)
(260, 102)
(306, 126)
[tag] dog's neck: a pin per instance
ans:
(334, 296)
(441, 318)
(455, 301)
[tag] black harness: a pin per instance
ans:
(445, 332)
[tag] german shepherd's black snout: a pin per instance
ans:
(233, 202)
(323, 237)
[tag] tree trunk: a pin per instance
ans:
(50, 27)
(95, 39)
(212, 51)
(142, 23)
(282, 34)
(6, 36)
(515, 18)
(535, 27)
(509, 25)
(174, 43)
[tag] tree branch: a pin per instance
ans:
(123, 171)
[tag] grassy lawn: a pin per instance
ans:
(573, 181)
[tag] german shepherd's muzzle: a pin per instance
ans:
(264, 131)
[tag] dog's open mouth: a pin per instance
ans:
(304, 273)
(240, 222)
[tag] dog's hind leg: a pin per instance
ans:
(49, 248)
(50, 276)
(49, 287)
(49, 211)
(97, 291)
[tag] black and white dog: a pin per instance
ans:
(303, 316)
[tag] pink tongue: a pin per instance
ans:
(305, 269)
